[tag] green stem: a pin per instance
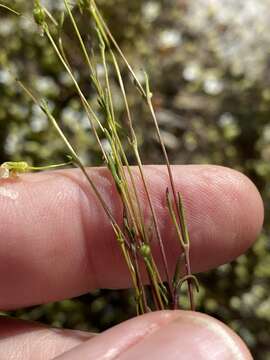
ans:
(90, 112)
(48, 167)
(138, 159)
(10, 9)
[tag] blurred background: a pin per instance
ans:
(209, 65)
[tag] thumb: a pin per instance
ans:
(163, 335)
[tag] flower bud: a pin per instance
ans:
(39, 14)
(145, 251)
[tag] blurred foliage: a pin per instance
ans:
(209, 65)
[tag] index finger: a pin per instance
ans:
(57, 242)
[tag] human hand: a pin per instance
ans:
(57, 243)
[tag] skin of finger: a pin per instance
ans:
(184, 335)
(113, 342)
(28, 340)
(57, 242)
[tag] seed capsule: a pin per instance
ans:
(145, 251)
(8, 169)
(39, 14)
(12, 168)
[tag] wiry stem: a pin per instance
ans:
(76, 160)
(137, 155)
(137, 221)
(10, 9)
(147, 95)
(101, 95)
(90, 112)
(134, 238)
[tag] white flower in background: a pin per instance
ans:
(151, 10)
(212, 85)
(46, 85)
(170, 38)
(5, 77)
(192, 72)
(226, 119)
(240, 30)
(6, 27)
(38, 120)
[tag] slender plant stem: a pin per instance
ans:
(133, 235)
(10, 9)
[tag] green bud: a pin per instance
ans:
(39, 14)
(18, 166)
(11, 168)
(145, 251)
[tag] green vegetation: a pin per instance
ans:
(212, 108)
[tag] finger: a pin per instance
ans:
(27, 340)
(57, 242)
(165, 335)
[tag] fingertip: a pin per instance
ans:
(227, 207)
(246, 209)
(251, 208)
